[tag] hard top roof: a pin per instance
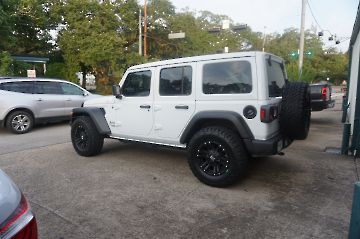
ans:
(199, 58)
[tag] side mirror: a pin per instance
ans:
(116, 91)
(85, 93)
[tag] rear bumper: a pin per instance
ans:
(270, 146)
(321, 104)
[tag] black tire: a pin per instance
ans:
(85, 138)
(295, 110)
(20, 122)
(216, 156)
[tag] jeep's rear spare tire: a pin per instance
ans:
(295, 110)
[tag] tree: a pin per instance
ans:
(5, 62)
(97, 34)
(25, 26)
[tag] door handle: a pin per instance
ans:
(39, 99)
(68, 99)
(182, 107)
(145, 106)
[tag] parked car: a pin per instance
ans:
(17, 221)
(222, 108)
(25, 102)
(320, 95)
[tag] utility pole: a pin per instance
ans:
(264, 40)
(302, 36)
(140, 34)
(145, 30)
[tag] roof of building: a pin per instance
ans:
(356, 28)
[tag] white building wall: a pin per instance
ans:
(353, 81)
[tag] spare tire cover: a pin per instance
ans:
(295, 110)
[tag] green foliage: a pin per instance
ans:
(96, 34)
(102, 37)
(56, 70)
(5, 62)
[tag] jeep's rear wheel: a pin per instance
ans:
(85, 138)
(295, 110)
(216, 156)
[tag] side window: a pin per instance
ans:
(137, 84)
(176, 81)
(20, 86)
(48, 87)
(276, 78)
(232, 77)
(69, 89)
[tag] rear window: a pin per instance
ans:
(48, 87)
(232, 77)
(18, 86)
(276, 78)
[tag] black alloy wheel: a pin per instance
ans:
(85, 138)
(81, 137)
(216, 156)
(212, 158)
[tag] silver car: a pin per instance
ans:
(25, 102)
(16, 217)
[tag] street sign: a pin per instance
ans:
(31, 73)
(308, 53)
(293, 54)
(176, 35)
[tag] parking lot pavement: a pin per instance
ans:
(142, 191)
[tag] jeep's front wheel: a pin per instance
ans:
(85, 138)
(216, 156)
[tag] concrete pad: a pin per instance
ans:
(144, 191)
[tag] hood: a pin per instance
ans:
(100, 100)
(10, 196)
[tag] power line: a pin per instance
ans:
(312, 13)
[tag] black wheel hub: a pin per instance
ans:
(212, 158)
(81, 137)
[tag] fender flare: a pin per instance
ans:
(228, 116)
(97, 116)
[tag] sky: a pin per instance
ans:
(334, 16)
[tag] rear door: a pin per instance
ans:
(174, 99)
(49, 99)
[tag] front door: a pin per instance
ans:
(132, 115)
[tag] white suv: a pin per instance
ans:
(222, 108)
(25, 102)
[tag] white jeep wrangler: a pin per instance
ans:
(222, 108)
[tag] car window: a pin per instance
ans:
(70, 89)
(18, 86)
(137, 84)
(276, 78)
(176, 81)
(232, 77)
(48, 87)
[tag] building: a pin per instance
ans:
(351, 104)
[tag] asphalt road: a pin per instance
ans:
(142, 191)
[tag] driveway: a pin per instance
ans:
(142, 191)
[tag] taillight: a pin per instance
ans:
(21, 224)
(269, 113)
(323, 93)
